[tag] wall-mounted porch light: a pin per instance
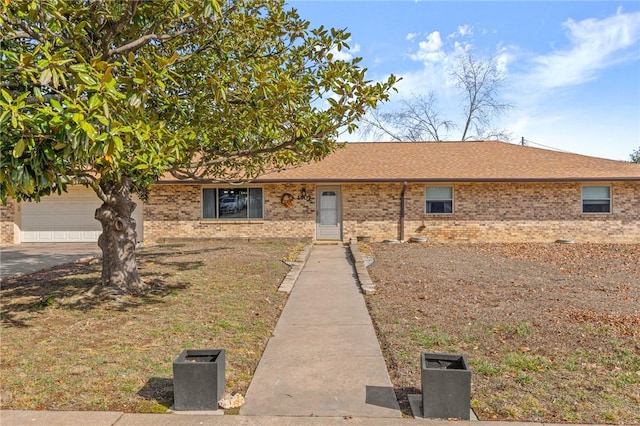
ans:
(303, 195)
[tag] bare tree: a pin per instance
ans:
(419, 118)
(480, 82)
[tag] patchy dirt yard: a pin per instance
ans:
(65, 348)
(551, 331)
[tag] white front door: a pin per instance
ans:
(329, 213)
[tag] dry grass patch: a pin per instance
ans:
(64, 348)
(550, 330)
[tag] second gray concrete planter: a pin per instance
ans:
(446, 386)
(198, 380)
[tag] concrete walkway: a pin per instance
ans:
(324, 358)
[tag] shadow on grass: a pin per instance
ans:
(158, 390)
(169, 251)
(169, 255)
(76, 286)
(178, 266)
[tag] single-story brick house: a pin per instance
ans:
(470, 191)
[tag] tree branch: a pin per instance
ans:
(15, 35)
(138, 43)
(115, 26)
(145, 39)
(202, 168)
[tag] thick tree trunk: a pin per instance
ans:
(118, 239)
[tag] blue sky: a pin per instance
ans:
(572, 67)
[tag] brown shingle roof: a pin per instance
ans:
(454, 161)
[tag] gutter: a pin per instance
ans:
(402, 210)
(413, 180)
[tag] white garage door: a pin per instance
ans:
(66, 218)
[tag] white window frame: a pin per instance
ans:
(217, 188)
(583, 199)
(427, 200)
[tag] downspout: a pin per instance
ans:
(404, 188)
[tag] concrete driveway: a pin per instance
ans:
(23, 259)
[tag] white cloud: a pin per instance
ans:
(595, 45)
(436, 58)
(411, 36)
(429, 50)
(505, 55)
(345, 54)
(463, 31)
(460, 48)
(544, 112)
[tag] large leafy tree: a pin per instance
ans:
(113, 95)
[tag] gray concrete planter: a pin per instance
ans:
(446, 386)
(198, 379)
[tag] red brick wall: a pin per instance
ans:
(520, 212)
(174, 211)
(483, 212)
(7, 220)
